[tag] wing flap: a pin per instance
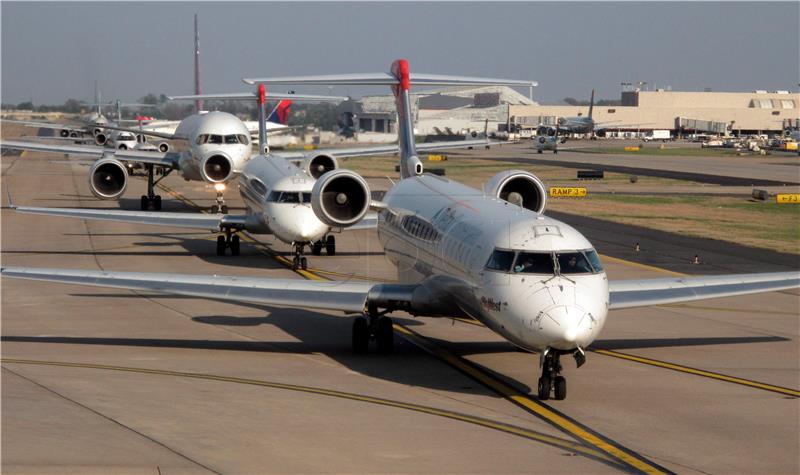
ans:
(642, 293)
(329, 295)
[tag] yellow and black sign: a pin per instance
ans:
(567, 192)
(437, 158)
(782, 198)
(632, 148)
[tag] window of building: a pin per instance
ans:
(787, 104)
(612, 111)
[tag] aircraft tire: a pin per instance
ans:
(538, 151)
(224, 209)
(235, 245)
(360, 335)
(316, 248)
(303, 263)
(330, 246)
(157, 203)
(560, 388)
(221, 245)
(385, 335)
(144, 203)
(544, 388)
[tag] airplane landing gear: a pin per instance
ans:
(375, 327)
(316, 248)
(220, 207)
(151, 201)
(299, 261)
(228, 241)
(551, 381)
(330, 245)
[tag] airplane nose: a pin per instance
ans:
(564, 327)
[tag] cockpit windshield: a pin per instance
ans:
(289, 197)
(545, 263)
(234, 139)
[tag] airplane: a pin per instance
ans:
(488, 254)
(583, 124)
(276, 189)
(547, 141)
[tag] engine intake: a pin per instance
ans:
(340, 198)
(163, 147)
(217, 168)
(520, 188)
(108, 178)
(100, 139)
(321, 164)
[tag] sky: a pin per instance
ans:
(54, 51)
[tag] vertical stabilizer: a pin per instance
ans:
(262, 120)
(280, 114)
(198, 104)
(410, 165)
(591, 104)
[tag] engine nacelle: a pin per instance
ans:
(320, 165)
(340, 198)
(100, 139)
(108, 178)
(163, 147)
(64, 133)
(217, 168)
(520, 188)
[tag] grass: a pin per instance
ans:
(654, 150)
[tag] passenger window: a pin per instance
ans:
(594, 260)
(534, 263)
(500, 260)
(573, 263)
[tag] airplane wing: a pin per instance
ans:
(143, 131)
(168, 159)
(330, 295)
(211, 222)
(47, 125)
(647, 292)
(387, 149)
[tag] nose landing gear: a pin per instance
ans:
(551, 381)
(299, 261)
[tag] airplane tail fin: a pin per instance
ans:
(280, 114)
(198, 104)
(400, 80)
(591, 104)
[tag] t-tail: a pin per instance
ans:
(400, 80)
(280, 114)
(198, 104)
(591, 104)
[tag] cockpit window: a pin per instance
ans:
(125, 137)
(573, 263)
(594, 260)
(500, 260)
(243, 139)
(534, 263)
(201, 139)
(306, 197)
(288, 197)
(215, 139)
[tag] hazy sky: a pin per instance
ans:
(53, 51)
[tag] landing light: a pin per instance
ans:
(219, 186)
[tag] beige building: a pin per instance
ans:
(686, 112)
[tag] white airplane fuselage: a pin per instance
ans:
(443, 233)
(278, 194)
(219, 147)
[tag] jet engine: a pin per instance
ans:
(340, 198)
(64, 133)
(321, 164)
(100, 138)
(217, 168)
(163, 147)
(108, 178)
(520, 188)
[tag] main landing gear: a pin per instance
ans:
(228, 241)
(375, 327)
(330, 246)
(151, 201)
(551, 381)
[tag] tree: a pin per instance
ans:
(149, 99)
(25, 105)
(72, 106)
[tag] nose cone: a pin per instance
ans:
(566, 327)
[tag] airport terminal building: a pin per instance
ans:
(678, 111)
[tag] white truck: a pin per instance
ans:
(662, 135)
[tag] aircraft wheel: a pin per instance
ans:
(560, 388)
(214, 209)
(221, 245)
(224, 209)
(157, 202)
(538, 151)
(303, 263)
(330, 246)
(555, 151)
(235, 245)
(544, 388)
(316, 249)
(144, 203)
(360, 335)
(296, 262)
(385, 335)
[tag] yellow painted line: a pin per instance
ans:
(22, 154)
(553, 417)
(479, 421)
(700, 372)
(641, 266)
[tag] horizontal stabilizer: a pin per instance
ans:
(254, 96)
(388, 79)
